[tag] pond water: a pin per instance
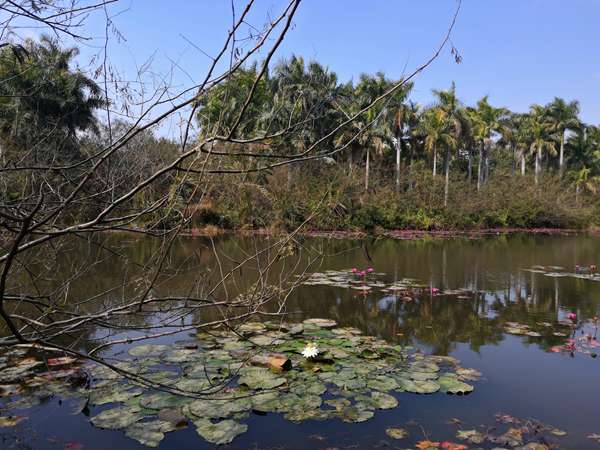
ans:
(498, 304)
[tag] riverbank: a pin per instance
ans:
(212, 231)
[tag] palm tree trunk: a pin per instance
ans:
(479, 167)
(410, 169)
(538, 159)
(514, 164)
(434, 162)
(447, 177)
(561, 159)
(470, 166)
(367, 169)
(486, 175)
(398, 156)
(522, 157)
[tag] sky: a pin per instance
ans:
(518, 52)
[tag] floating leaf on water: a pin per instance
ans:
(420, 387)
(161, 400)
(181, 355)
(113, 393)
(382, 383)
(174, 416)
(473, 436)
(450, 384)
(148, 350)
(383, 401)
(117, 418)
(338, 403)
(8, 390)
(260, 378)
(558, 432)
(251, 328)
(468, 374)
(396, 433)
(10, 421)
(217, 409)
(149, 434)
(427, 445)
(221, 432)
(352, 414)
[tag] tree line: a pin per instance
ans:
(448, 135)
(49, 119)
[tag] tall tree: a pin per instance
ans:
(563, 116)
(44, 102)
(459, 123)
(438, 132)
(540, 135)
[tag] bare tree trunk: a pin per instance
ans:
(447, 176)
(434, 162)
(367, 169)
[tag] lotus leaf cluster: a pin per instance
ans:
(215, 380)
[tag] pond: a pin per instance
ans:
(520, 310)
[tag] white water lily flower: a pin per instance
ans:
(310, 351)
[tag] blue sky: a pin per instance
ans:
(518, 52)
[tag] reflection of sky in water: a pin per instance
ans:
(520, 377)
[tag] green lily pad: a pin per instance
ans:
(148, 350)
(396, 433)
(218, 409)
(117, 418)
(260, 378)
(382, 383)
(420, 387)
(352, 414)
(113, 394)
(161, 400)
(221, 432)
(450, 384)
(382, 400)
(149, 434)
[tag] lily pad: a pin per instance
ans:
(260, 378)
(149, 434)
(450, 384)
(117, 418)
(148, 350)
(396, 433)
(420, 387)
(221, 432)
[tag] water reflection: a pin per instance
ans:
(483, 285)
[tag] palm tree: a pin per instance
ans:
(488, 122)
(540, 135)
(43, 101)
(373, 132)
(459, 123)
(401, 116)
(437, 130)
(563, 116)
